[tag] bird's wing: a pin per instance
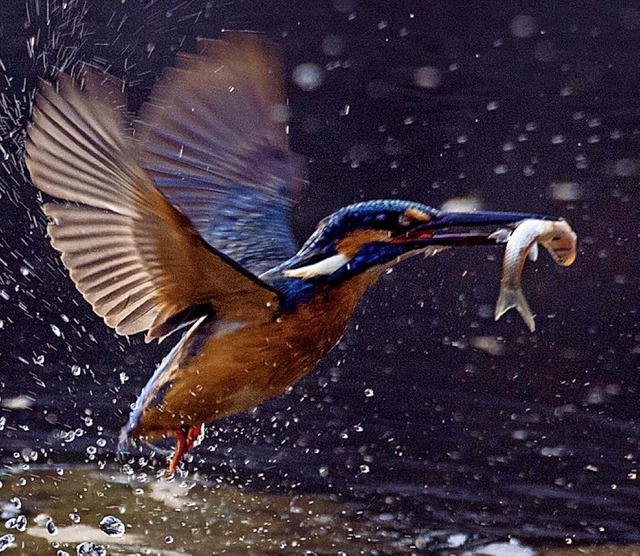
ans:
(133, 256)
(213, 140)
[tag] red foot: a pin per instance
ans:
(185, 439)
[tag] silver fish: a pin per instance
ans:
(556, 236)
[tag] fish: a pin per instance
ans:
(556, 236)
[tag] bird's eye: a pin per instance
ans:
(404, 221)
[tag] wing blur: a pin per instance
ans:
(213, 140)
(134, 257)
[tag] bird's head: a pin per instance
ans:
(376, 234)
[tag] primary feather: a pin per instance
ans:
(132, 255)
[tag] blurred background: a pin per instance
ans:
(428, 410)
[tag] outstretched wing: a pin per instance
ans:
(133, 256)
(213, 140)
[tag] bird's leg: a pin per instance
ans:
(180, 450)
(192, 436)
(186, 437)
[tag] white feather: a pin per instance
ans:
(321, 268)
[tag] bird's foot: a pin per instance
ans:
(186, 438)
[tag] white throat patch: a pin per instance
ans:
(321, 268)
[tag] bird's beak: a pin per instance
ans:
(465, 228)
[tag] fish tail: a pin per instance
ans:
(510, 298)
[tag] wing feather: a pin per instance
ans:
(210, 141)
(133, 256)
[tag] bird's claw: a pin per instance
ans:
(186, 438)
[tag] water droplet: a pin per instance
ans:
(626, 167)
(6, 541)
(111, 525)
(89, 549)
(42, 519)
(308, 76)
(333, 45)
(462, 204)
(523, 26)
(18, 403)
(51, 527)
(428, 77)
(18, 523)
(489, 344)
(546, 51)
(344, 6)
(565, 191)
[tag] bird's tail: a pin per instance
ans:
(510, 298)
(127, 440)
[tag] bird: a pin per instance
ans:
(176, 222)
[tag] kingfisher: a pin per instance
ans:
(176, 221)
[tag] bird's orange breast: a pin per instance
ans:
(239, 370)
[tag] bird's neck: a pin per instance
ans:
(296, 292)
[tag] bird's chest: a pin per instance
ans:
(314, 328)
(291, 346)
(238, 370)
(304, 336)
(274, 355)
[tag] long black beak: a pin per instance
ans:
(467, 228)
(481, 218)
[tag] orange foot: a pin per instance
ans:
(185, 439)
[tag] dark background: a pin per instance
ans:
(537, 110)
